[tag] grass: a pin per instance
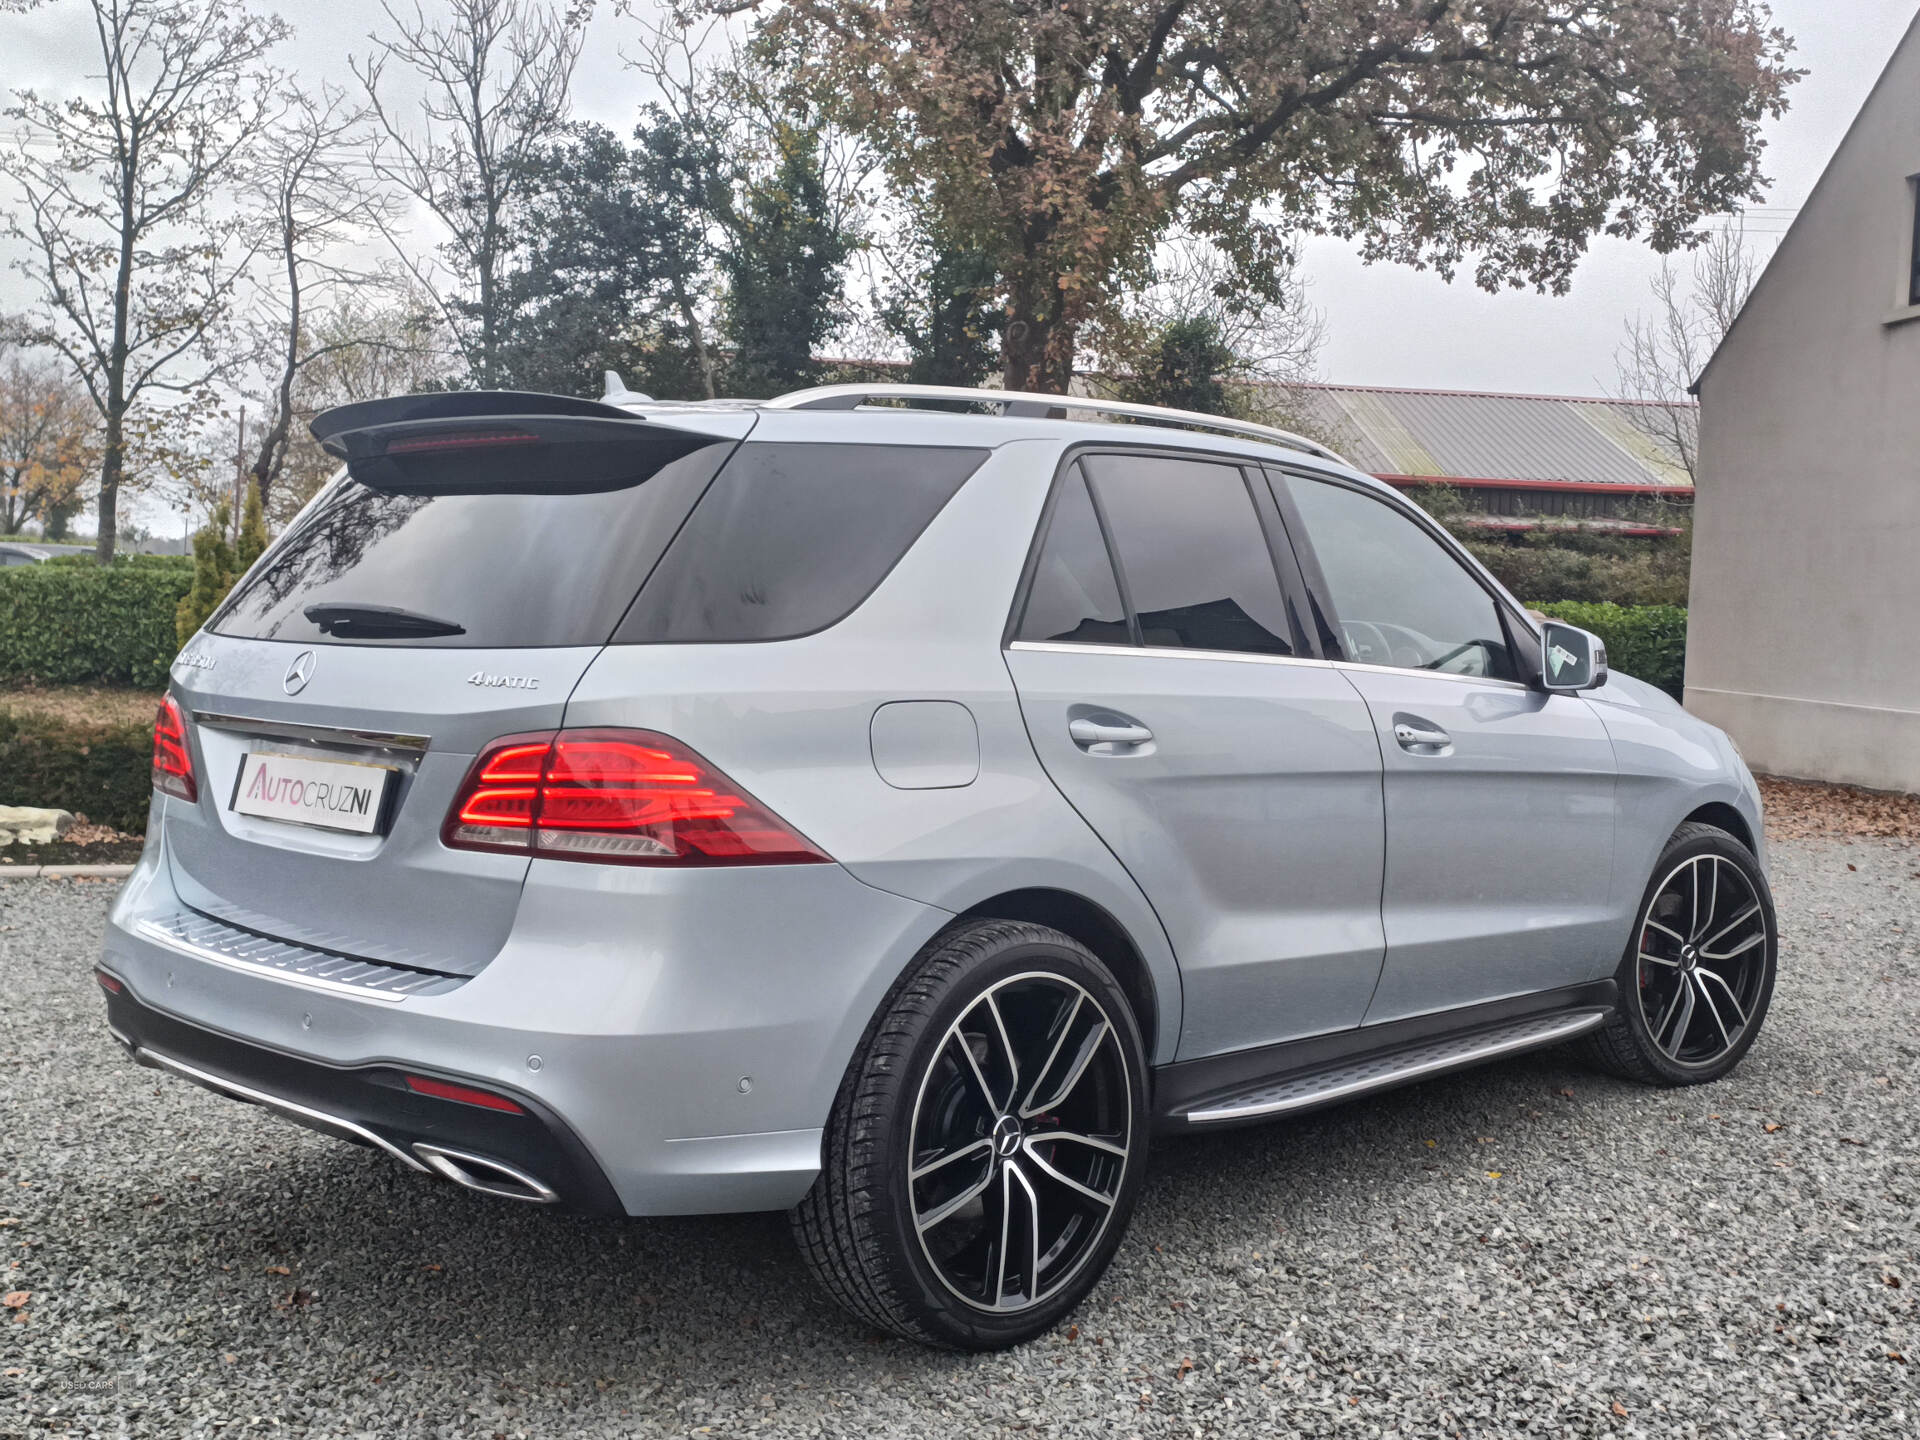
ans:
(82, 704)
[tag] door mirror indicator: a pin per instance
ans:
(1571, 658)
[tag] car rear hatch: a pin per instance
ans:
(448, 588)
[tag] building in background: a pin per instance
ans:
(1806, 556)
(1520, 460)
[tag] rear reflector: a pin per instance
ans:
(622, 797)
(108, 983)
(172, 760)
(465, 1094)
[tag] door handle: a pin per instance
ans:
(1421, 737)
(1108, 737)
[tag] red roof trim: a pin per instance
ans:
(1497, 395)
(1561, 487)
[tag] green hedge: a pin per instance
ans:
(101, 771)
(85, 624)
(1648, 642)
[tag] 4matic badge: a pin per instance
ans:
(487, 680)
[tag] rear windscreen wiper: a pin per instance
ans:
(377, 622)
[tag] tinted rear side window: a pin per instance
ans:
(791, 537)
(521, 564)
(1074, 599)
(1192, 555)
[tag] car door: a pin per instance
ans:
(1171, 696)
(1499, 796)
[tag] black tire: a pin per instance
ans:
(1668, 965)
(857, 1227)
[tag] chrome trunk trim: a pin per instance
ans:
(414, 745)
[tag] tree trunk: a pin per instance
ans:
(1036, 348)
(112, 463)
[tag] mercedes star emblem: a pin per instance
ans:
(298, 673)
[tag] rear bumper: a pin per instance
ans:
(676, 1039)
(532, 1156)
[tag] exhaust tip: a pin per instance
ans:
(489, 1177)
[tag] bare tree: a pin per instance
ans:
(496, 78)
(1664, 353)
(311, 208)
(131, 267)
(46, 439)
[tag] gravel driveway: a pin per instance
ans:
(1527, 1248)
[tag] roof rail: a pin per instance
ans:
(1032, 404)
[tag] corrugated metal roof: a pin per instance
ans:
(1471, 436)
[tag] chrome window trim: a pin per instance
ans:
(1434, 674)
(323, 734)
(1160, 652)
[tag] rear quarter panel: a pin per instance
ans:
(791, 722)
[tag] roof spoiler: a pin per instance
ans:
(452, 405)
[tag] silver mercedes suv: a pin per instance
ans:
(896, 805)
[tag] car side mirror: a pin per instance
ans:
(1571, 658)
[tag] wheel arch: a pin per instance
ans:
(1094, 927)
(1722, 816)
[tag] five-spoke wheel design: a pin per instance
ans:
(1020, 1135)
(1702, 960)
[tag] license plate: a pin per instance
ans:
(328, 794)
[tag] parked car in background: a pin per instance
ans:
(898, 815)
(14, 552)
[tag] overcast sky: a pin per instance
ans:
(1386, 325)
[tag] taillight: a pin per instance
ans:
(172, 760)
(624, 797)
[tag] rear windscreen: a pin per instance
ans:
(531, 562)
(791, 537)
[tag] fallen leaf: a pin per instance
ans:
(1771, 1126)
(10, 1221)
(1073, 1331)
(229, 1358)
(1890, 1280)
(1896, 1355)
(429, 1266)
(1186, 1366)
(1849, 1140)
(1564, 1094)
(278, 1270)
(14, 1299)
(13, 1372)
(1619, 1409)
(1852, 866)
(1432, 1143)
(1494, 1174)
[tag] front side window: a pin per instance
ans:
(1401, 598)
(1193, 560)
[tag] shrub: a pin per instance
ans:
(1648, 642)
(73, 624)
(101, 771)
(216, 564)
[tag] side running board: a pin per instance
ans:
(1304, 1090)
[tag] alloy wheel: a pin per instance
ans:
(1022, 1129)
(1702, 960)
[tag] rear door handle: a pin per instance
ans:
(1421, 737)
(1112, 736)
